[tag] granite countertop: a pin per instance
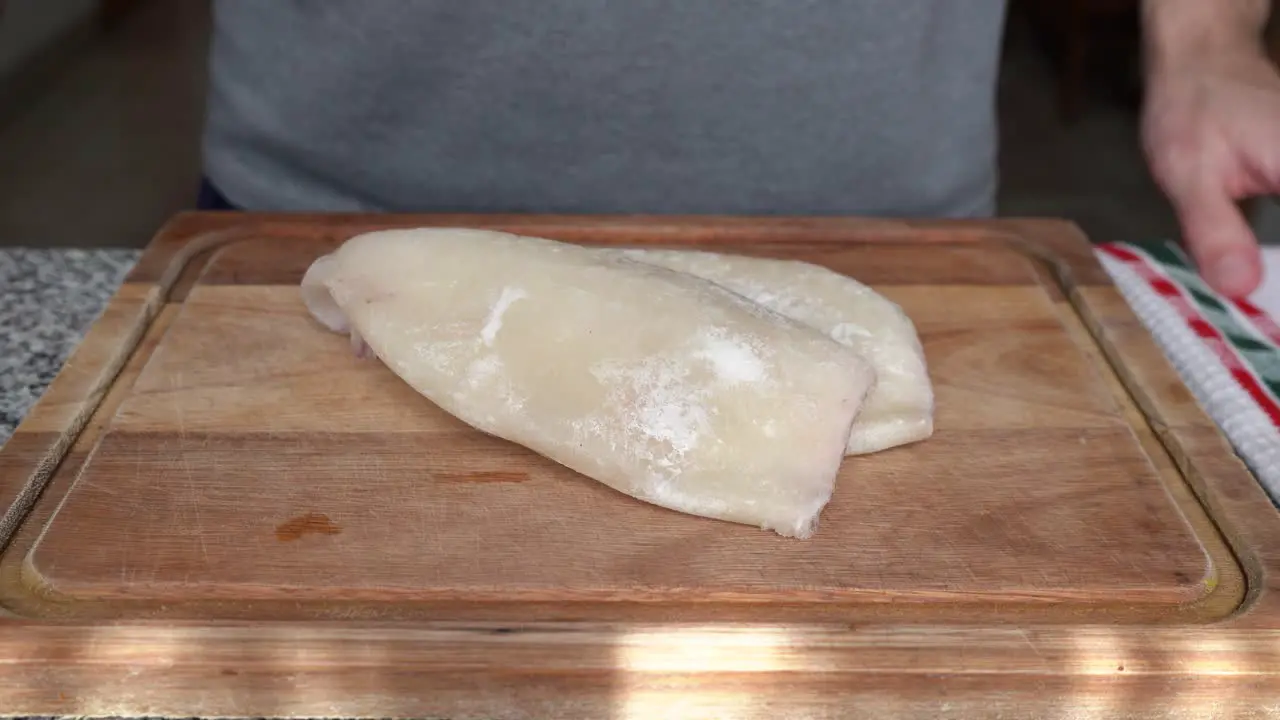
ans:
(48, 300)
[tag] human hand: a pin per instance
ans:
(1211, 133)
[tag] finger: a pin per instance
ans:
(1221, 241)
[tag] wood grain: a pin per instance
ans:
(675, 671)
(1058, 547)
(246, 417)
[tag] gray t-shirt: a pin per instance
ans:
(880, 107)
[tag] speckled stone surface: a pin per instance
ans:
(48, 300)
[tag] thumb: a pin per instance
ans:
(1220, 240)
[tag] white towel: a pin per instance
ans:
(1227, 352)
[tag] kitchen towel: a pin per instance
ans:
(1227, 351)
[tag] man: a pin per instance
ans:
(870, 107)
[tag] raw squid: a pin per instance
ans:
(899, 409)
(660, 384)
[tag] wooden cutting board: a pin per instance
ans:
(218, 501)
